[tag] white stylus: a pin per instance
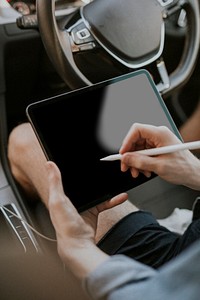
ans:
(158, 151)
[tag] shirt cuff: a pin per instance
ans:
(115, 272)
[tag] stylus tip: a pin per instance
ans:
(111, 157)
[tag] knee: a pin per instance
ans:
(19, 141)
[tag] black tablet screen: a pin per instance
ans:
(78, 128)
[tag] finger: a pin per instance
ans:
(117, 200)
(146, 173)
(139, 161)
(55, 181)
(59, 205)
(124, 166)
(138, 133)
(134, 172)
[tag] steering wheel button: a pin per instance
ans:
(83, 34)
(86, 47)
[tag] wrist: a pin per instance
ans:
(193, 178)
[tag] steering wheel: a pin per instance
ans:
(116, 37)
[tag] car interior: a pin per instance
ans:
(51, 47)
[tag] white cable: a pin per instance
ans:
(32, 228)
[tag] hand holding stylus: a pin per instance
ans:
(181, 167)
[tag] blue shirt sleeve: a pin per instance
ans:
(123, 278)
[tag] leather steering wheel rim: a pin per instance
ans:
(57, 44)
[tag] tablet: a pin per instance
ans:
(76, 129)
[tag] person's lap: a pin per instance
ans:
(140, 236)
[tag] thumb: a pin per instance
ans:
(54, 181)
